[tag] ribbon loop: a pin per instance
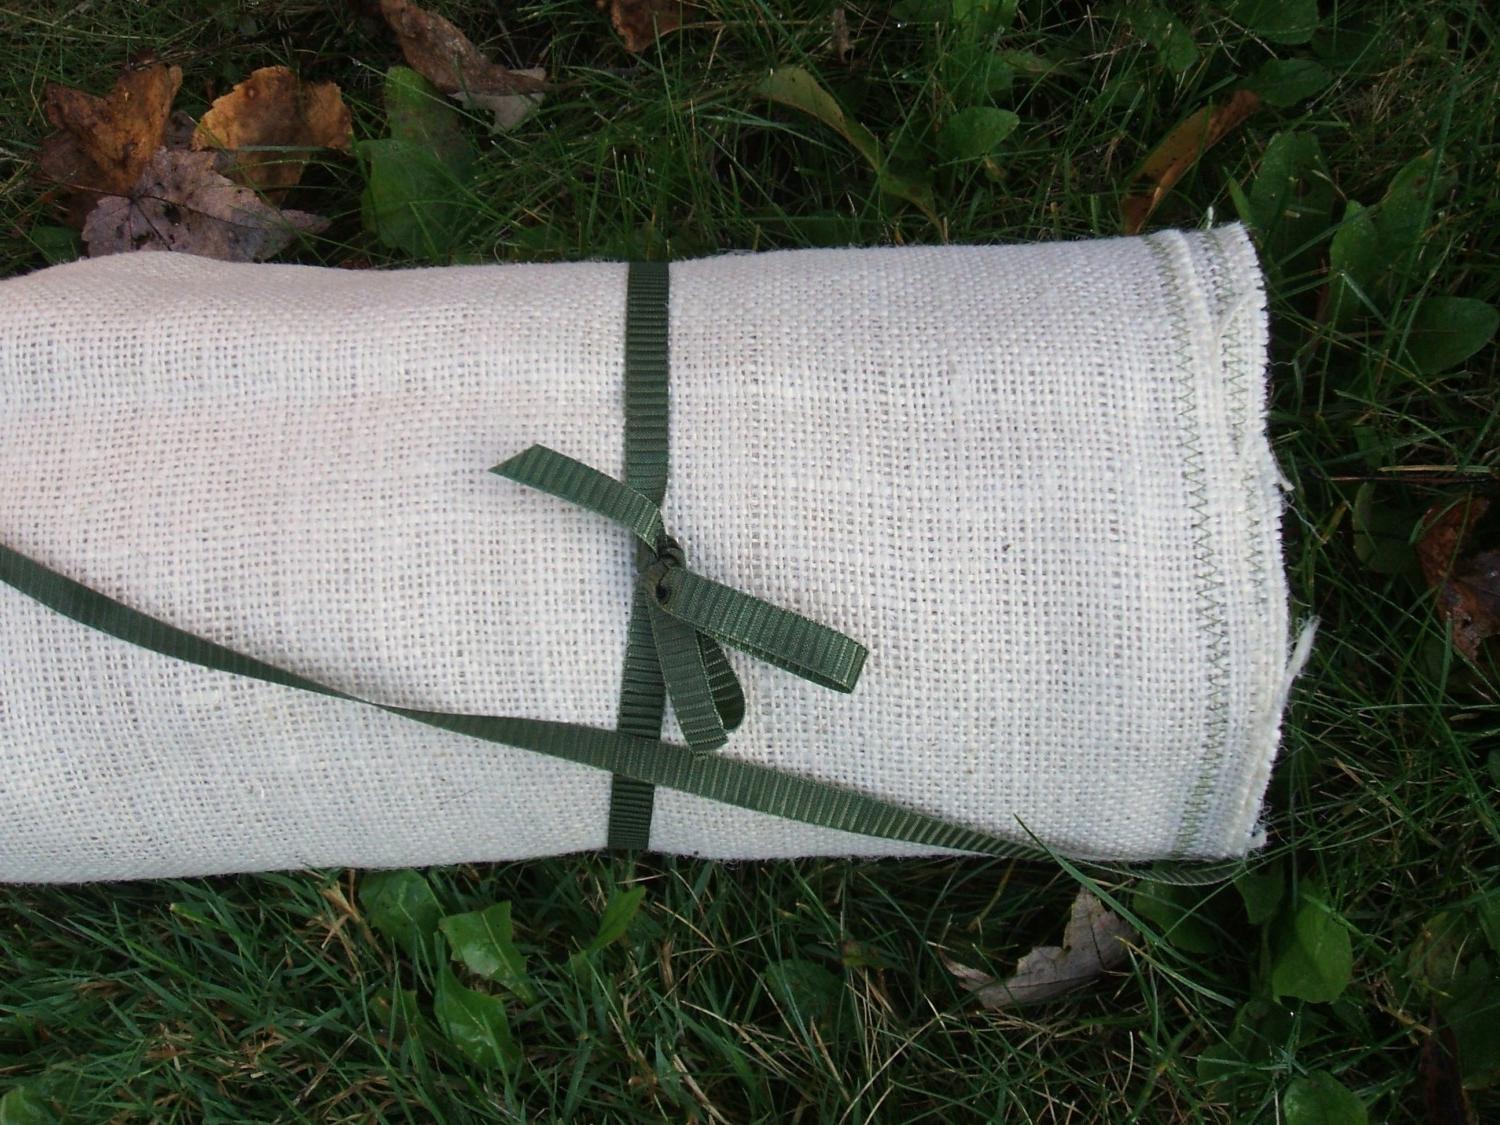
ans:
(778, 636)
(692, 616)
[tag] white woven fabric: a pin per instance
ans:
(1034, 480)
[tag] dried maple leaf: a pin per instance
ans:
(443, 55)
(1093, 941)
(103, 144)
(1179, 151)
(181, 203)
(640, 22)
(1466, 585)
(274, 110)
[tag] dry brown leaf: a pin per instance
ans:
(509, 110)
(640, 22)
(274, 109)
(840, 41)
(1443, 1090)
(103, 144)
(1093, 941)
(1466, 582)
(181, 203)
(1178, 152)
(443, 55)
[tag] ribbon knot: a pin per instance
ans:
(665, 555)
(692, 617)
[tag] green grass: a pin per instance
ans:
(271, 998)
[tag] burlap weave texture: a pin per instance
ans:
(1034, 480)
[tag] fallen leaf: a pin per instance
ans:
(839, 39)
(640, 22)
(271, 122)
(180, 203)
(1093, 941)
(1178, 152)
(508, 110)
(1466, 585)
(1443, 1091)
(103, 144)
(444, 56)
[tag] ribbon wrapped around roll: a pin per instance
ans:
(265, 606)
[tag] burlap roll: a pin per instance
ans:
(1033, 480)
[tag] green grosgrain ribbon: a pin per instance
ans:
(692, 616)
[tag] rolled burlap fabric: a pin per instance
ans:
(1033, 481)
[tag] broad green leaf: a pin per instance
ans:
(402, 1011)
(913, 186)
(1445, 331)
(1403, 212)
(1356, 264)
(803, 989)
(975, 133)
(1436, 954)
(1279, 21)
(1285, 82)
(1261, 891)
(795, 87)
(1313, 959)
(1321, 1099)
(1291, 201)
(417, 113)
(1473, 1013)
(992, 16)
(401, 905)
(1382, 534)
(616, 919)
(56, 244)
(921, 11)
(475, 1022)
(1165, 32)
(417, 196)
(1172, 908)
(484, 940)
(973, 71)
(1356, 48)
(23, 1106)
(1489, 909)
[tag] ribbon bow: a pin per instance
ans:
(691, 616)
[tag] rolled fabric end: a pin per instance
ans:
(1033, 481)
